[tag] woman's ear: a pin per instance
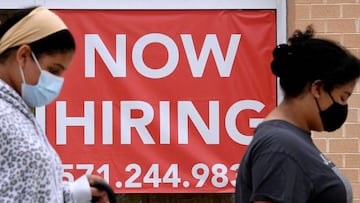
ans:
(316, 87)
(22, 54)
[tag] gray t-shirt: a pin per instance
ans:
(283, 165)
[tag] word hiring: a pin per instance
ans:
(187, 113)
(117, 67)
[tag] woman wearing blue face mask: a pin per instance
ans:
(35, 49)
(282, 164)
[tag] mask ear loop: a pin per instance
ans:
(21, 71)
(332, 98)
(317, 83)
(22, 74)
(36, 61)
(317, 103)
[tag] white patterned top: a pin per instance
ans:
(30, 169)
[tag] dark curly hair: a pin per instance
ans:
(305, 59)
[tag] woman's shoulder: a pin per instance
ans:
(280, 135)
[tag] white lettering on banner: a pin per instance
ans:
(186, 112)
(117, 68)
(197, 64)
(126, 122)
(164, 122)
(230, 120)
(135, 175)
(107, 122)
(168, 68)
(62, 121)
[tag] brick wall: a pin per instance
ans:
(338, 20)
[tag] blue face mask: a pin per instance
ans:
(45, 91)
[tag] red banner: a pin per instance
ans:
(163, 101)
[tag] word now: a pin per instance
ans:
(117, 66)
(186, 112)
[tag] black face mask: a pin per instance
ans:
(333, 117)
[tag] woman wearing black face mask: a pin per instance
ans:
(282, 164)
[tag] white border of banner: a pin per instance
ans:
(279, 5)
